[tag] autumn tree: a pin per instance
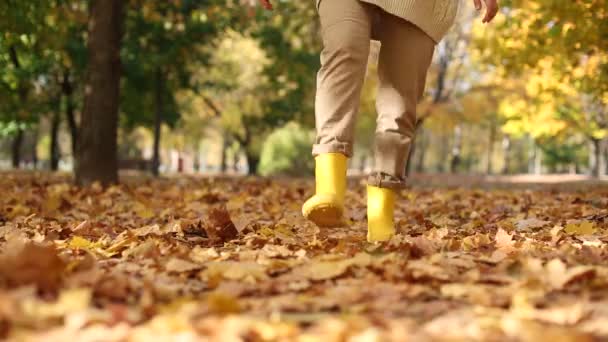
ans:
(450, 67)
(240, 88)
(559, 54)
(20, 64)
(163, 50)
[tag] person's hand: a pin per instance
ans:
(491, 9)
(266, 4)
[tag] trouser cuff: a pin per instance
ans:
(383, 180)
(336, 147)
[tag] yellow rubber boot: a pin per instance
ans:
(326, 207)
(380, 214)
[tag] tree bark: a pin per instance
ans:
(491, 141)
(224, 155)
(421, 147)
(596, 163)
(68, 90)
(253, 159)
(54, 147)
(444, 153)
(605, 157)
(34, 149)
(506, 148)
(97, 159)
(456, 149)
(537, 162)
(158, 119)
(235, 161)
(16, 148)
(531, 154)
(362, 163)
(23, 91)
(414, 146)
(252, 162)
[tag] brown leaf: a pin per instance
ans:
(324, 270)
(31, 263)
(223, 304)
(180, 265)
(218, 225)
(115, 286)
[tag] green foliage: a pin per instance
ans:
(559, 151)
(11, 127)
(290, 36)
(163, 37)
(286, 151)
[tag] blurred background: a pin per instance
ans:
(224, 87)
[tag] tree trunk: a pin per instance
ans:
(605, 157)
(97, 159)
(456, 149)
(444, 153)
(491, 141)
(538, 160)
(16, 148)
(68, 90)
(252, 162)
(196, 163)
(235, 162)
(362, 163)
(158, 119)
(531, 155)
(410, 156)
(595, 158)
(34, 149)
(54, 148)
(506, 148)
(23, 91)
(224, 155)
(422, 147)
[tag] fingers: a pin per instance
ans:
(266, 4)
(477, 4)
(491, 10)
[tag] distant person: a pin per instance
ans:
(408, 31)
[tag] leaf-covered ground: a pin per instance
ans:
(230, 260)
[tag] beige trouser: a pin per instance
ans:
(347, 28)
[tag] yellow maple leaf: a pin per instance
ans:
(581, 228)
(78, 242)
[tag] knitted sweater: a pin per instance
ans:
(434, 17)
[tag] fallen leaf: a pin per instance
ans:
(325, 270)
(559, 275)
(223, 304)
(69, 302)
(531, 223)
(581, 228)
(218, 270)
(218, 225)
(78, 242)
(31, 263)
(143, 211)
(180, 266)
(504, 241)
